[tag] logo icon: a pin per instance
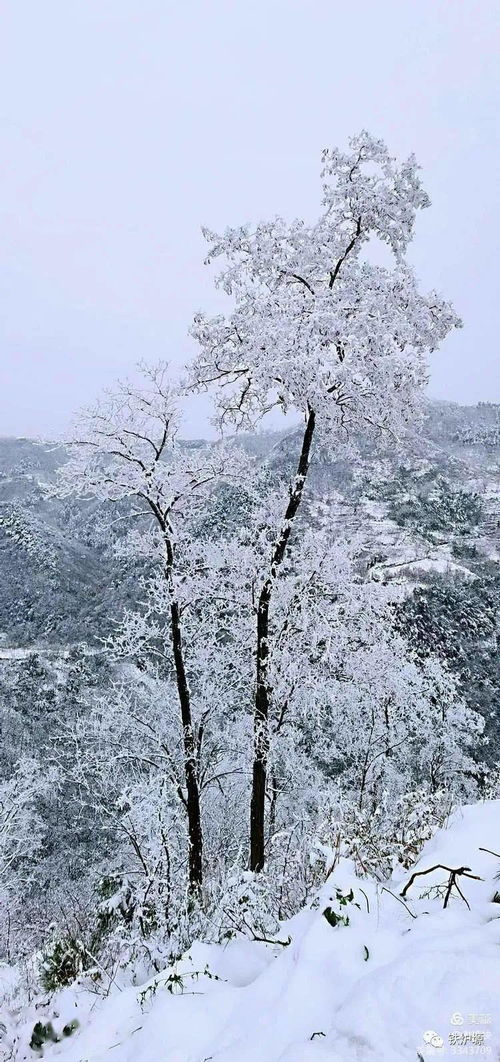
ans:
(457, 1018)
(433, 1038)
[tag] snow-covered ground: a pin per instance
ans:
(403, 980)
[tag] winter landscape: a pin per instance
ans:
(249, 677)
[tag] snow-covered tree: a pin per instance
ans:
(22, 836)
(357, 724)
(318, 328)
(353, 706)
(21, 828)
(126, 450)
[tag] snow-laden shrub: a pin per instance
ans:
(491, 788)
(383, 837)
(246, 907)
(61, 962)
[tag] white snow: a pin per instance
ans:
(402, 980)
(440, 564)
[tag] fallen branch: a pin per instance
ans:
(454, 873)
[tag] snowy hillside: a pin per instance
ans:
(53, 559)
(360, 975)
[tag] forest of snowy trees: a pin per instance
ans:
(265, 701)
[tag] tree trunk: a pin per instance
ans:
(195, 831)
(190, 758)
(262, 689)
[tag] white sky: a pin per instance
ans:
(128, 123)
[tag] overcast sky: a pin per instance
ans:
(126, 124)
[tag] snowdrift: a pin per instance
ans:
(361, 975)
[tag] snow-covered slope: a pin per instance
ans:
(57, 588)
(365, 977)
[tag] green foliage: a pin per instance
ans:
(120, 905)
(464, 550)
(229, 511)
(335, 919)
(61, 962)
(341, 917)
(440, 508)
(173, 983)
(117, 900)
(44, 1032)
(458, 620)
(451, 616)
(71, 1027)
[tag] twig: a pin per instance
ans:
(398, 898)
(366, 898)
